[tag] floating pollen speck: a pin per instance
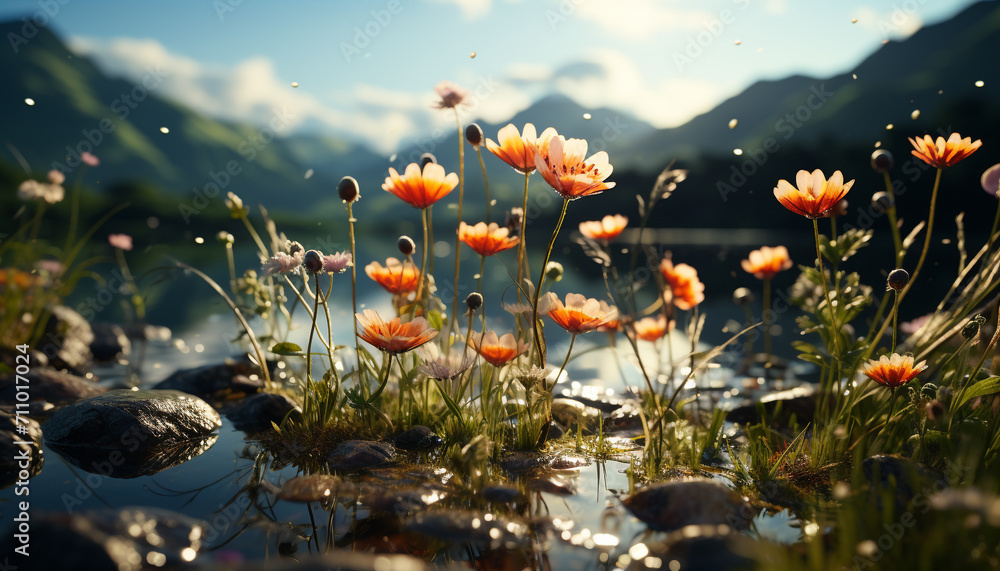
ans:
(878, 144)
(295, 84)
(738, 42)
(392, 158)
(737, 152)
(29, 101)
(164, 130)
(587, 116)
(472, 55)
(199, 240)
(854, 75)
(980, 83)
(309, 174)
(915, 114)
(888, 127)
(732, 123)
(854, 20)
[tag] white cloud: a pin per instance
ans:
(471, 9)
(640, 20)
(897, 24)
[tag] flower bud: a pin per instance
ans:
(225, 237)
(235, 204)
(929, 391)
(882, 202)
(991, 181)
(293, 247)
(313, 261)
(474, 301)
(935, 410)
(406, 245)
(742, 296)
(553, 271)
(839, 209)
(348, 189)
(971, 328)
(427, 158)
(474, 134)
(882, 160)
(898, 279)
(514, 220)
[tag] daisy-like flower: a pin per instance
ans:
(394, 336)
(90, 159)
(941, 153)
(765, 263)
(562, 165)
(579, 314)
(33, 190)
(893, 371)
(652, 328)
(991, 181)
(395, 276)
(451, 95)
(814, 195)
(486, 240)
(498, 351)
(605, 229)
(437, 365)
(420, 188)
(686, 289)
(282, 263)
(120, 241)
(337, 262)
(518, 149)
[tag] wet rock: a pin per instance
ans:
(556, 484)
(460, 527)
(570, 412)
(402, 503)
(701, 548)
(418, 438)
(313, 488)
(552, 431)
(127, 433)
(569, 462)
(12, 357)
(255, 413)
(215, 381)
(503, 494)
(625, 421)
(359, 454)
(17, 448)
(126, 539)
(779, 407)
(673, 505)
(67, 338)
(49, 385)
(605, 406)
(341, 560)
(524, 461)
(110, 343)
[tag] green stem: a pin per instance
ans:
(895, 316)
(835, 333)
(255, 236)
(562, 367)
(423, 262)
(312, 329)
(354, 281)
(486, 183)
(482, 267)
(766, 315)
(461, 195)
(538, 287)
(521, 264)
(893, 224)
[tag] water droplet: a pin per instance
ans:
(980, 83)
(737, 152)
(164, 130)
(888, 127)
(295, 84)
(732, 123)
(472, 55)
(586, 116)
(915, 114)
(29, 101)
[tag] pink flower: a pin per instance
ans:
(56, 177)
(337, 263)
(991, 180)
(282, 263)
(451, 95)
(89, 159)
(120, 241)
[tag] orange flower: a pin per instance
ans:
(652, 328)
(578, 314)
(686, 289)
(395, 277)
(394, 336)
(893, 371)
(606, 229)
(815, 195)
(498, 351)
(562, 166)
(767, 262)
(940, 153)
(518, 150)
(420, 189)
(486, 240)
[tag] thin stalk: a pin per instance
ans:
(354, 281)
(486, 183)
(312, 329)
(562, 367)
(521, 264)
(541, 276)
(996, 224)
(461, 195)
(423, 261)
(835, 333)
(255, 236)
(895, 316)
(74, 212)
(482, 266)
(231, 260)
(766, 316)
(893, 224)
(136, 301)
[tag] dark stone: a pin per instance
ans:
(400, 503)
(15, 447)
(673, 505)
(314, 488)
(461, 527)
(799, 401)
(503, 494)
(255, 413)
(552, 431)
(705, 548)
(11, 357)
(524, 461)
(125, 539)
(127, 433)
(56, 387)
(110, 343)
(418, 438)
(215, 381)
(359, 454)
(605, 406)
(67, 338)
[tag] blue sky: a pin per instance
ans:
(367, 69)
